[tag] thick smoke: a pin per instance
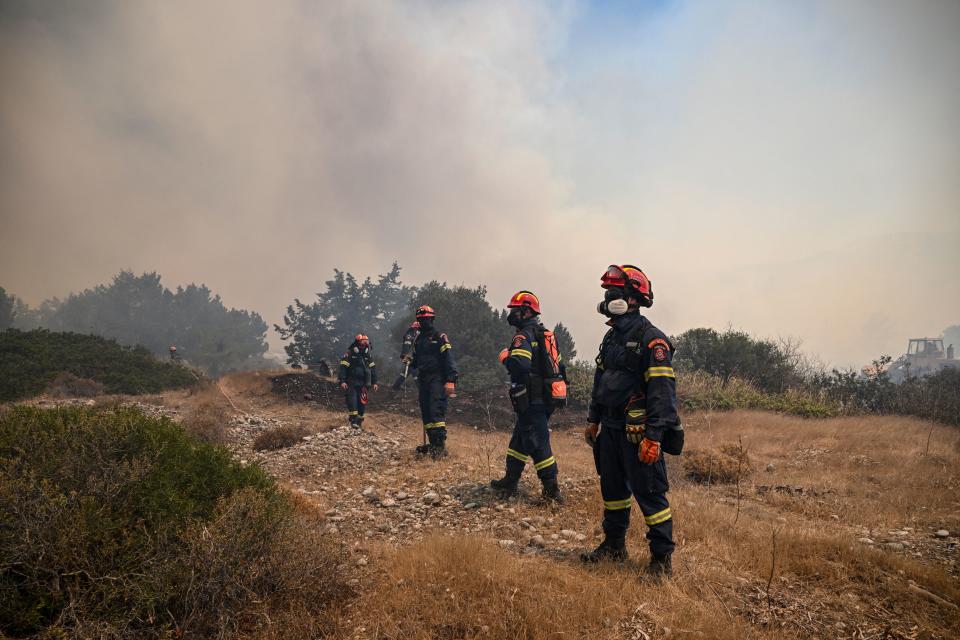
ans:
(790, 169)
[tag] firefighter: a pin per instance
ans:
(436, 378)
(358, 372)
(524, 360)
(174, 356)
(632, 417)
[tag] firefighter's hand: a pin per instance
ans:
(405, 359)
(343, 385)
(634, 433)
(376, 387)
(450, 389)
(503, 355)
(649, 451)
(590, 433)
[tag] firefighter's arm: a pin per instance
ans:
(593, 411)
(519, 361)
(450, 372)
(373, 372)
(344, 367)
(661, 386)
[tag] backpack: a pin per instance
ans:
(554, 383)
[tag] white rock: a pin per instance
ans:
(865, 540)
(942, 533)
(506, 543)
(388, 502)
(431, 497)
(568, 533)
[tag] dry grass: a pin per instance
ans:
(870, 471)
(465, 587)
(208, 420)
(728, 464)
(279, 438)
(749, 563)
(67, 385)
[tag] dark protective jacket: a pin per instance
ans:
(358, 367)
(433, 357)
(409, 340)
(525, 361)
(635, 360)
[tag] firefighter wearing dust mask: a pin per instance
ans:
(533, 362)
(357, 374)
(437, 375)
(632, 420)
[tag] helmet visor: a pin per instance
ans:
(614, 276)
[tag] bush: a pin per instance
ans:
(67, 385)
(208, 421)
(31, 360)
(279, 438)
(727, 465)
(934, 397)
(700, 391)
(769, 366)
(113, 524)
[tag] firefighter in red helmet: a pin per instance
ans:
(357, 374)
(532, 361)
(632, 420)
(432, 358)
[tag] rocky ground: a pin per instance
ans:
(377, 495)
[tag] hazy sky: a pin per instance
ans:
(788, 168)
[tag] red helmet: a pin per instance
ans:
(524, 299)
(360, 339)
(425, 312)
(172, 348)
(633, 281)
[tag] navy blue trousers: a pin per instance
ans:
(356, 395)
(622, 477)
(433, 409)
(531, 440)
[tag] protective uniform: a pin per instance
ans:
(436, 374)
(634, 402)
(530, 440)
(359, 372)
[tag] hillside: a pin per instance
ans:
(31, 360)
(837, 528)
(834, 534)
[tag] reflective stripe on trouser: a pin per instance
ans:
(624, 478)
(531, 441)
(433, 408)
(355, 408)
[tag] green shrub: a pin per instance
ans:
(31, 360)
(119, 525)
(700, 391)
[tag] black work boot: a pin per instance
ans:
(660, 567)
(505, 486)
(423, 449)
(551, 490)
(609, 550)
(438, 446)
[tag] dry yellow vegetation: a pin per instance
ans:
(781, 560)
